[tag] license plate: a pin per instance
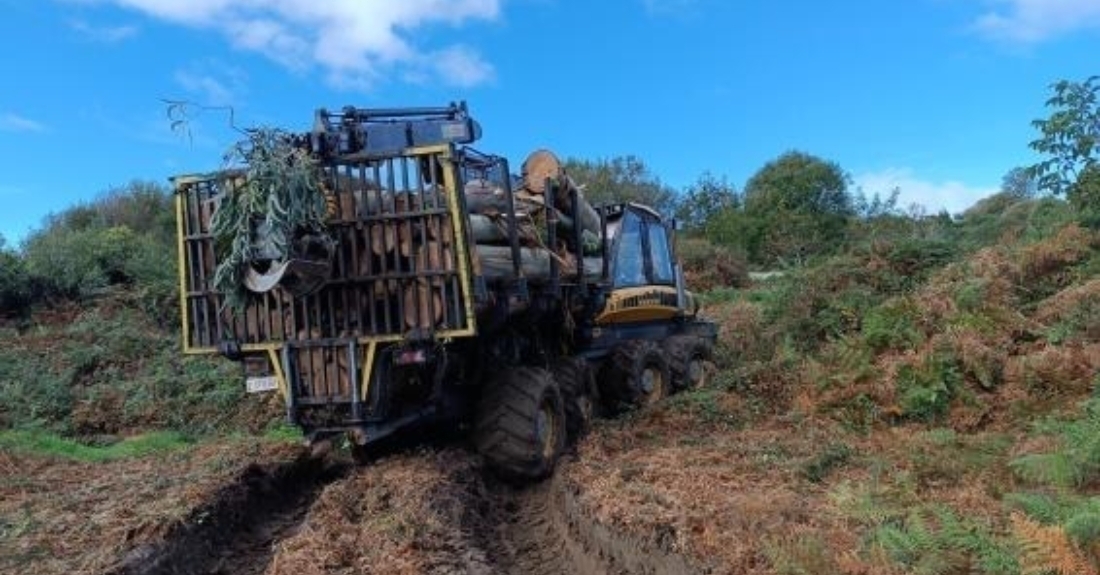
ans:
(261, 384)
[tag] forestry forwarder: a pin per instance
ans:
(443, 289)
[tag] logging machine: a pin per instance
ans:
(441, 289)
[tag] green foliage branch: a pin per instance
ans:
(273, 196)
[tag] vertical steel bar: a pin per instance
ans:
(552, 237)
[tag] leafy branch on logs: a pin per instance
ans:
(273, 193)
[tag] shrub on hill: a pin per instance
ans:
(15, 283)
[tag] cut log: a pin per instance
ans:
(383, 238)
(434, 257)
(347, 206)
(496, 264)
(482, 197)
(586, 214)
(423, 305)
(439, 229)
(539, 166)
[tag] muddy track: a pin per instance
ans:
(542, 530)
(236, 532)
(504, 530)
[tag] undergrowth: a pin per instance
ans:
(48, 444)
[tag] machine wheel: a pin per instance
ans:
(687, 360)
(520, 426)
(578, 390)
(637, 374)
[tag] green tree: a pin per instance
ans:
(1019, 183)
(621, 179)
(800, 207)
(1070, 140)
(15, 286)
(125, 236)
(701, 202)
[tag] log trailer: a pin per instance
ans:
(447, 291)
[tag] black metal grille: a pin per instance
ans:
(395, 269)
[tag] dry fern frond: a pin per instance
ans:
(1048, 548)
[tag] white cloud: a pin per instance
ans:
(1031, 21)
(353, 41)
(107, 34)
(11, 122)
(950, 195)
(461, 66)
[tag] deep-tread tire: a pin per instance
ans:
(577, 383)
(636, 375)
(520, 424)
(687, 357)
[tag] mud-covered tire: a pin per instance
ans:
(636, 375)
(577, 383)
(687, 359)
(520, 424)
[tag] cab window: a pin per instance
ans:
(660, 255)
(630, 253)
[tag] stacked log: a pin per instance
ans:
(489, 226)
(405, 254)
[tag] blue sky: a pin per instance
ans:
(933, 96)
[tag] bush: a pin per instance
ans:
(1049, 266)
(925, 387)
(15, 284)
(901, 265)
(1075, 462)
(78, 264)
(708, 266)
(893, 325)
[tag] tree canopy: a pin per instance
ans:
(797, 207)
(621, 179)
(702, 201)
(1070, 141)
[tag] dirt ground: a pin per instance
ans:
(256, 507)
(68, 517)
(702, 483)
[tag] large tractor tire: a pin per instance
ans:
(578, 390)
(687, 360)
(520, 424)
(636, 375)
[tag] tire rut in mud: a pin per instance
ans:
(236, 532)
(542, 530)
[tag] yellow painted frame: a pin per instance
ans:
(370, 343)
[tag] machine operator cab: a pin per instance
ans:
(647, 283)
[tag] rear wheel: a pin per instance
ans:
(637, 375)
(578, 390)
(687, 360)
(520, 427)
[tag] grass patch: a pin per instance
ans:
(819, 467)
(43, 443)
(284, 433)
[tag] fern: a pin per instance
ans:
(935, 541)
(1043, 507)
(1048, 549)
(1079, 516)
(1077, 460)
(803, 555)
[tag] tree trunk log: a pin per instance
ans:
(496, 264)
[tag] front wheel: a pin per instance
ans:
(688, 356)
(637, 375)
(520, 424)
